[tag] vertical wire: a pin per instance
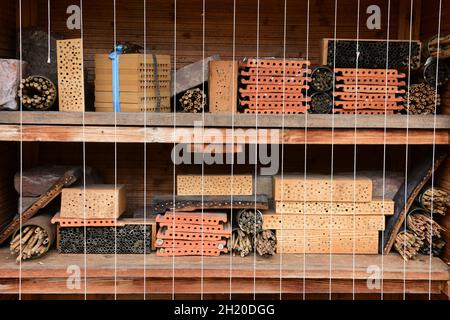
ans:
(256, 147)
(48, 33)
(115, 161)
(174, 140)
(434, 151)
(384, 139)
(305, 160)
(145, 148)
(84, 163)
(408, 101)
(234, 106)
(282, 144)
(354, 152)
(332, 149)
(20, 149)
(203, 140)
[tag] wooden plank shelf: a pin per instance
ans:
(99, 127)
(49, 275)
(317, 121)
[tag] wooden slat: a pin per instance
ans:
(222, 120)
(316, 266)
(166, 135)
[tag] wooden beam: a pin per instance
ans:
(210, 135)
(211, 286)
(225, 120)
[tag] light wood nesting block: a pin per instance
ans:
(70, 75)
(374, 207)
(322, 222)
(214, 185)
(100, 201)
(139, 85)
(223, 76)
(342, 242)
(320, 187)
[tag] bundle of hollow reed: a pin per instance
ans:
(437, 246)
(193, 100)
(408, 244)
(266, 243)
(423, 225)
(241, 243)
(422, 99)
(436, 197)
(32, 242)
(250, 221)
(37, 93)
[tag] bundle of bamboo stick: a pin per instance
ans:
(241, 243)
(266, 243)
(193, 100)
(408, 244)
(31, 242)
(422, 99)
(434, 197)
(423, 226)
(37, 93)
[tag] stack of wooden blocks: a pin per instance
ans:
(199, 232)
(99, 209)
(308, 220)
(271, 86)
(140, 85)
(369, 91)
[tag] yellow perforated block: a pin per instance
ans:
(70, 75)
(323, 222)
(320, 188)
(322, 241)
(99, 201)
(214, 185)
(374, 207)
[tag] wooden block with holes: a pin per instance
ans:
(223, 79)
(322, 241)
(214, 185)
(374, 207)
(320, 187)
(99, 202)
(140, 83)
(70, 75)
(323, 222)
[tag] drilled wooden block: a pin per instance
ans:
(342, 242)
(70, 75)
(374, 207)
(99, 201)
(222, 86)
(322, 222)
(139, 83)
(214, 185)
(320, 187)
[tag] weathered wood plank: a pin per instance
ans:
(211, 286)
(194, 135)
(316, 266)
(225, 120)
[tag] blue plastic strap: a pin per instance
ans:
(114, 56)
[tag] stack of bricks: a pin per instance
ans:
(369, 91)
(270, 86)
(308, 220)
(199, 232)
(90, 221)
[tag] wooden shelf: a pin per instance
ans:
(99, 127)
(49, 274)
(317, 121)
